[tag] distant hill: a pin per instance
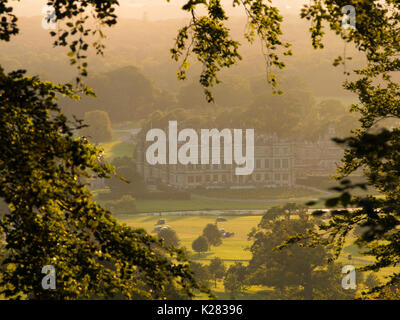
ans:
(146, 44)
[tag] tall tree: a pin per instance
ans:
(201, 272)
(52, 219)
(296, 266)
(98, 126)
(235, 278)
(371, 149)
(212, 234)
(200, 244)
(169, 237)
(217, 269)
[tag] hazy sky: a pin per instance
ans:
(153, 9)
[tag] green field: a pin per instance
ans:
(116, 149)
(190, 227)
(260, 193)
(196, 204)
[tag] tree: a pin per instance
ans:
(297, 271)
(200, 244)
(52, 218)
(217, 269)
(99, 126)
(212, 234)
(201, 273)
(235, 277)
(374, 147)
(127, 180)
(284, 115)
(124, 93)
(169, 236)
(372, 281)
(232, 284)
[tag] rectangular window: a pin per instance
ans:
(266, 163)
(258, 164)
(285, 163)
(277, 163)
(215, 178)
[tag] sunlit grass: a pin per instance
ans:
(116, 149)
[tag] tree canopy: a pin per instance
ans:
(52, 219)
(212, 234)
(298, 271)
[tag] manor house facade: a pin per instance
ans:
(273, 166)
(320, 157)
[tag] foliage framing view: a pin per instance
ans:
(100, 257)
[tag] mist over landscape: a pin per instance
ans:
(143, 159)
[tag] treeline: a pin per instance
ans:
(127, 186)
(137, 79)
(126, 94)
(146, 45)
(242, 103)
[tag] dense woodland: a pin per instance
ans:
(136, 80)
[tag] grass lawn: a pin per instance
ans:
(250, 293)
(189, 228)
(198, 204)
(116, 149)
(259, 194)
(326, 182)
(195, 204)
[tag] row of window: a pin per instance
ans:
(241, 179)
(278, 163)
(260, 164)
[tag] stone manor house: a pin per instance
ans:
(277, 163)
